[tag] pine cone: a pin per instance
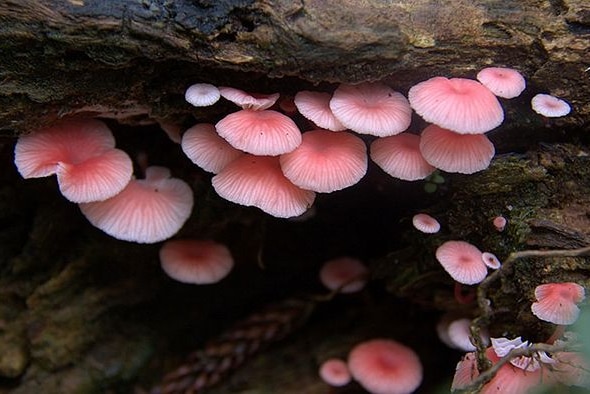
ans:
(206, 367)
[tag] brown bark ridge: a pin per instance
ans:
(133, 59)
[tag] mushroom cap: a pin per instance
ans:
(503, 346)
(335, 372)
(146, 211)
(400, 156)
(96, 179)
(204, 147)
(465, 372)
(454, 331)
(462, 261)
(72, 141)
(550, 106)
(315, 106)
(202, 94)
(459, 334)
(500, 223)
(344, 273)
(326, 161)
(425, 223)
(490, 260)
(513, 380)
(384, 366)
(503, 82)
(81, 152)
(263, 133)
(371, 108)
(258, 181)
(196, 261)
(556, 302)
(508, 379)
(255, 102)
(452, 152)
(462, 105)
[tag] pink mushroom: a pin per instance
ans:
(490, 260)
(315, 106)
(204, 147)
(508, 380)
(147, 211)
(326, 161)
(425, 223)
(455, 332)
(263, 133)
(384, 366)
(202, 95)
(81, 152)
(503, 82)
(499, 223)
(452, 152)
(335, 372)
(556, 302)
(459, 334)
(462, 105)
(258, 181)
(255, 102)
(550, 106)
(400, 156)
(462, 261)
(371, 108)
(347, 274)
(196, 261)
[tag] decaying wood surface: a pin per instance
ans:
(134, 59)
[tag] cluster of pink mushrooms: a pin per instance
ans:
(261, 158)
(555, 303)
(381, 366)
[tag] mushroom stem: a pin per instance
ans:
(463, 295)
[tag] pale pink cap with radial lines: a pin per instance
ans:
(255, 102)
(371, 108)
(147, 211)
(462, 105)
(462, 261)
(400, 156)
(425, 223)
(262, 133)
(204, 147)
(503, 82)
(326, 161)
(556, 302)
(550, 106)
(315, 106)
(258, 181)
(81, 152)
(202, 95)
(452, 152)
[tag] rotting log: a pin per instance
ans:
(67, 319)
(134, 59)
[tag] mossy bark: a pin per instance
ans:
(544, 195)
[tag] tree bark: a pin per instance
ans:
(134, 59)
